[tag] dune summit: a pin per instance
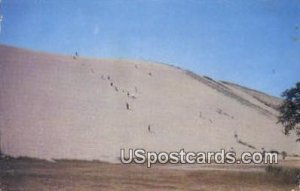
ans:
(55, 106)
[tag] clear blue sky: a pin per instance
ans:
(253, 43)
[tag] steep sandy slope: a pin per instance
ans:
(59, 107)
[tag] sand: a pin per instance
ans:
(58, 107)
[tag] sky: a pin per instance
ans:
(253, 43)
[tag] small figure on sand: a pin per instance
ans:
(127, 106)
(149, 129)
(236, 136)
(76, 55)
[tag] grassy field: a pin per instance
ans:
(39, 175)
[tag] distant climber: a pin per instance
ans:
(76, 55)
(236, 136)
(149, 129)
(127, 106)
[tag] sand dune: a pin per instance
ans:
(54, 106)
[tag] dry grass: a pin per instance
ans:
(285, 175)
(29, 174)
